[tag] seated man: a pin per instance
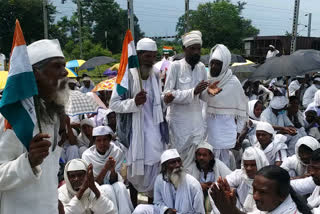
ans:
(80, 194)
(312, 124)
(271, 192)
(85, 139)
(271, 144)
(241, 179)
(207, 169)
(106, 159)
(174, 190)
(297, 164)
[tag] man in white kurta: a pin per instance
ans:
(28, 179)
(174, 189)
(84, 200)
(85, 137)
(308, 96)
(185, 81)
(144, 105)
(106, 159)
(225, 117)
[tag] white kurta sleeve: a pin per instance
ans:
(234, 179)
(303, 186)
(180, 96)
(122, 106)
(15, 168)
(198, 199)
(158, 202)
(74, 206)
(102, 205)
(289, 163)
(281, 155)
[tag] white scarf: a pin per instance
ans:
(252, 153)
(251, 105)
(137, 122)
(83, 140)
(231, 100)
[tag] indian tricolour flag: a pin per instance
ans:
(17, 104)
(129, 59)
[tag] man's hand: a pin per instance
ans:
(110, 164)
(205, 186)
(213, 89)
(38, 149)
(200, 87)
(288, 130)
(90, 177)
(168, 98)
(170, 211)
(140, 98)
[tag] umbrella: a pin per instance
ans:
(109, 72)
(75, 63)
(105, 85)
(3, 79)
(96, 61)
(243, 71)
(71, 73)
(115, 67)
(80, 103)
(296, 64)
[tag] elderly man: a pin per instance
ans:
(271, 192)
(174, 190)
(185, 81)
(28, 179)
(142, 130)
(225, 117)
(80, 194)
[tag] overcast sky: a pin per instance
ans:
(272, 17)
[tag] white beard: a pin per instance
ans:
(62, 95)
(176, 177)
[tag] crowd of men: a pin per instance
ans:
(203, 143)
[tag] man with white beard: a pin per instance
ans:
(28, 179)
(174, 191)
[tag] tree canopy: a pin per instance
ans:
(219, 22)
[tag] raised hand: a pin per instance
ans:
(140, 98)
(200, 87)
(213, 89)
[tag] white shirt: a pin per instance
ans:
(309, 95)
(24, 190)
(272, 53)
(185, 107)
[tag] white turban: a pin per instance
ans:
(169, 154)
(317, 98)
(88, 122)
(316, 79)
(101, 131)
(192, 38)
(146, 44)
(72, 81)
(251, 105)
(271, 46)
(205, 145)
(76, 165)
(44, 49)
(278, 102)
(221, 53)
(264, 126)
(258, 155)
(293, 87)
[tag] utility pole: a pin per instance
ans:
(45, 18)
(309, 24)
(80, 30)
(186, 27)
(131, 17)
(295, 26)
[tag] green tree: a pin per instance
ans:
(219, 22)
(29, 13)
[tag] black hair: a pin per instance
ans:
(282, 179)
(305, 148)
(292, 98)
(108, 135)
(316, 155)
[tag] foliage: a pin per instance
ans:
(220, 22)
(29, 13)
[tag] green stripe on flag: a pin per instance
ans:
(133, 62)
(20, 120)
(19, 87)
(121, 90)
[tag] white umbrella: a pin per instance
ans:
(80, 103)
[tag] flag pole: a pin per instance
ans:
(36, 100)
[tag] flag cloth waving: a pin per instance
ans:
(17, 104)
(129, 59)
